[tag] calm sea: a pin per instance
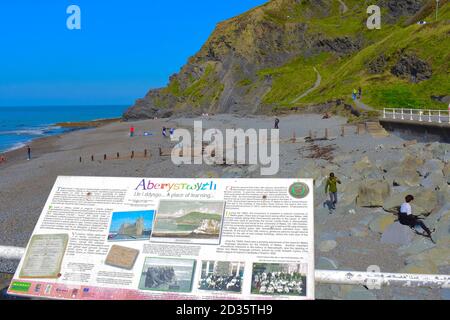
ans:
(19, 125)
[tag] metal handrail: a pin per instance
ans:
(372, 279)
(421, 115)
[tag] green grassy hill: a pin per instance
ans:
(429, 42)
(195, 218)
(264, 60)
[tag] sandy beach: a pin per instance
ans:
(348, 239)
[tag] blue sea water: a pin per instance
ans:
(20, 125)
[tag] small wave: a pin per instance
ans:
(40, 131)
(16, 146)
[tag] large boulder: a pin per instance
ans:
(372, 193)
(326, 264)
(349, 192)
(420, 267)
(327, 245)
(431, 166)
(366, 169)
(425, 202)
(404, 176)
(442, 234)
(405, 172)
(310, 170)
(434, 181)
(438, 256)
(381, 223)
(416, 246)
(363, 164)
(397, 234)
(446, 170)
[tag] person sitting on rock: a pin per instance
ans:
(406, 218)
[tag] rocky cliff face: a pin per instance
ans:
(223, 77)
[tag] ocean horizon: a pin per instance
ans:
(21, 125)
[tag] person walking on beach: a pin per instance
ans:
(406, 218)
(354, 94)
(131, 131)
(277, 123)
(359, 93)
(331, 187)
(171, 132)
(29, 152)
(164, 132)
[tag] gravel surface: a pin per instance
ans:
(25, 185)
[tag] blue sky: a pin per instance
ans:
(123, 49)
(120, 218)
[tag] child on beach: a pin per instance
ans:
(131, 131)
(29, 152)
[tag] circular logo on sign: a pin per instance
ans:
(299, 190)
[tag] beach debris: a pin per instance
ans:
(318, 152)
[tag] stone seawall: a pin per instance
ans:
(422, 131)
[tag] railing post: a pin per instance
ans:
(393, 113)
(411, 114)
(403, 118)
(384, 113)
(420, 115)
(440, 116)
(429, 116)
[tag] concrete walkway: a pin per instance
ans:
(363, 106)
(344, 7)
(316, 85)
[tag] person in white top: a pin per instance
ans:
(408, 219)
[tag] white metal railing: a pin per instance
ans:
(377, 280)
(370, 279)
(421, 115)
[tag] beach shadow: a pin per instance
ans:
(328, 204)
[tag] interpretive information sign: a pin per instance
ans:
(157, 238)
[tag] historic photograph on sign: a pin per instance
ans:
(279, 279)
(166, 274)
(200, 221)
(135, 225)
(221, 276)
